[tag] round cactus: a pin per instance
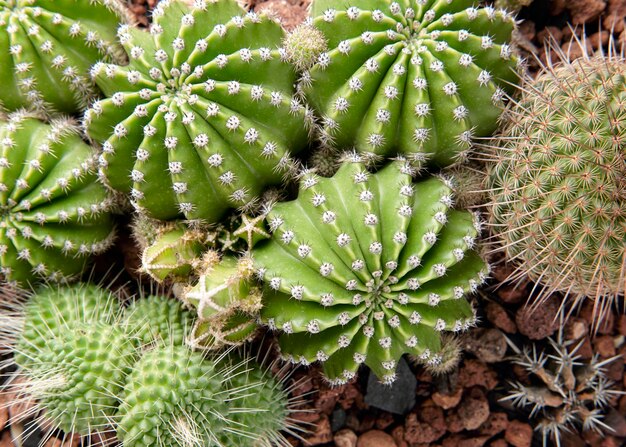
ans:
(558, 181)
(47, 48)
(207, 99)
(53, 212)
(416, 78)
(363, 268)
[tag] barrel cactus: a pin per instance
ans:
(363, 268)
(203, 118)
(47, 49)
(558, 181)
(53, 212)
(414, 77)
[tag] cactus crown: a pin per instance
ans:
(208, 98)
(363, 268)
(53, 212)
(415, 77)
(559, 180)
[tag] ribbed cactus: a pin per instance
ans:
(53, 212)
(203, 118)
(558, 180)
(413, 77)
(48, 46)
(363, 268)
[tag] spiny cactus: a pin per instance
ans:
(558, 180)
(565, 393)
(47, 48)
(203, 117)
(53, 212)
(414, 77)
(363, 268)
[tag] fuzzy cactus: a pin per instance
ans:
(48, 47)
(564, 392)
(416, 78)
(53, 212)
(558, 181)
(363, 268)
(203, 118)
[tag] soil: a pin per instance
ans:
(462, 409)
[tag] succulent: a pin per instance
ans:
(47, 48)
(563, 391)
(419, 78)
(363, 268)
(53, 212)
(512, 5)
(558, 181)
(203, 118)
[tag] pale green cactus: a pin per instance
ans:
(53, 212)
(363, 268)
(47, 48)
(203, 118)
(415, 77)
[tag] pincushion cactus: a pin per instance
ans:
(558, 181)
(53, 212)
(203, 117)
(363, 268)
(418, 78)
(157, 319)
(47, 48)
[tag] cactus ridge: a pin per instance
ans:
(363, 268)
(53, 212)
(208, 99)
(47, 48)
(416, 77)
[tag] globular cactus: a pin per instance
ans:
(363, 268)
(53, 212)
(419, 78)
(203, 118)
(564, 392)
(558, 181)
(48, 47)
(512, 5)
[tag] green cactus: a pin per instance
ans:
(203, 118)
(558, 181)
(363, 268)
(419, 78)
(53, 213)
(48, 46)
(228, 302)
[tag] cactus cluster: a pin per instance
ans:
(558, 180)
(363, 268)
(203, 118)
(411, 77)
(53, 212)
(48, 47)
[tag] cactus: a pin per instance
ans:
(53, 213)
(512, 5)
(363, 268)
(207, 99)
(47, 48)
(558, 181)
(563, 391)
(416, 77)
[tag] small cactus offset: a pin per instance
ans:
(558, 181)
(363, 268)
(563, 392)
(419, 78)
(53, 212)
(203, 118)
(47, 49)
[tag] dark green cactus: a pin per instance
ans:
(53, 212)
(363, 268)
(203, 118)
(48, 46)
(416, 77)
